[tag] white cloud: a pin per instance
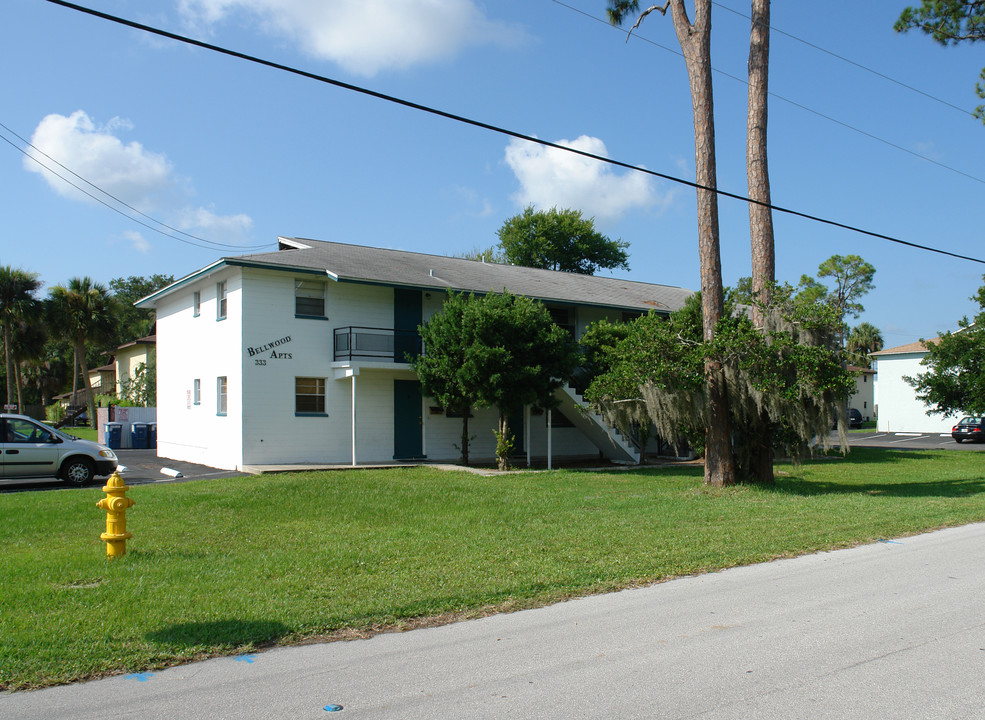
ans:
(221, 228)
(365, 36)
(76, 147)
(137, 240)
(127, 171)
(550, 177)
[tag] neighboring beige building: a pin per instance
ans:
(863, 399)
(130, 356)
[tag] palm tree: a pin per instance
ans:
(85, 311)
(17, 289)
(863, 339)
(27, 341)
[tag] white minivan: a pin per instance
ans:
(31, 449)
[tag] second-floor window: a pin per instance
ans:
(197, 395)
(197, 303)
(309, 298)
(220, 300)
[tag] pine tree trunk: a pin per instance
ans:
(695, 41)
(760, 215)
(757, 169)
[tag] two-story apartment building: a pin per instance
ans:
(300, 356)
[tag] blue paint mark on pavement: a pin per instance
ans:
(246, 658)
(332, 708)
(141, 677)
(890, 542)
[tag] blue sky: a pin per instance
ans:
(238, 154)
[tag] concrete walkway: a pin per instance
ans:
(895, 629)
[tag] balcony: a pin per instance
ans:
(375, 344)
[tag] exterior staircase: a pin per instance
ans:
(616, 446)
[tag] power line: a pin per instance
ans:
(492, 128)
(796, 104)
(210, 244)
(859, 65)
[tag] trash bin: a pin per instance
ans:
(113, 434)
(138, 436)
(152, 436)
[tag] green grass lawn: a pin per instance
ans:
(225, 566)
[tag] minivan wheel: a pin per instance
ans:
(78, 471)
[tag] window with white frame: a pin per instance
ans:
(196, 303)
(220, 395)
(309, 298)
(220, 300)
(309, 396)
(197, 391)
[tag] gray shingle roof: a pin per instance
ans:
(358, 263)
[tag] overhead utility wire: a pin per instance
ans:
(494, 128)
(796, 104)
(859, 65)
(116, 199)
(103, 202)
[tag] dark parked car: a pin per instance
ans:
(969, 428)
(854, 418)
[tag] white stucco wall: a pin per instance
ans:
(203, 348)
(899, 409)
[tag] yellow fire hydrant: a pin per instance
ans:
(115, 504)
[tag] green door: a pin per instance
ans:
(407, 315)
(408, 422)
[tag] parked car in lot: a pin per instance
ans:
(969, 428)
(31, 449)
(854, 418)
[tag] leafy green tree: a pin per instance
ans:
(442, 369)
(949, 22)
(852, 278)
(133, 323)
(559, 240)
(508, 353)
(955, 380)
(17, 288)
(87, 314)
(695, 41)
(788, 373)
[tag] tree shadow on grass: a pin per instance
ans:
(225, 634)
(864, 471)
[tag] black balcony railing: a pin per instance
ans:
(380, 344)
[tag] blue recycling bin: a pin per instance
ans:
(113, 434)
(138, 436)
(152, 436)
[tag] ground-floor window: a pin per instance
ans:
(197, 394)
(220, 395)
(309, 396)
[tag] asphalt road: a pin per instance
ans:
(142, 467)
(895, 629)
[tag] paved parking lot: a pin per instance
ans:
(907, 441)
(142, 467)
